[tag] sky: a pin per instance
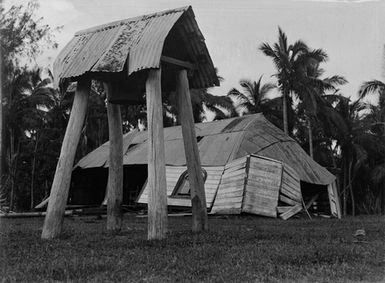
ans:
(352, 32)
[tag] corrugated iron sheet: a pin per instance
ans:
(221, 142)
(106, 48)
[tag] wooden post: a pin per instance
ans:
(61, 182)
(198, 197)
(115, 169)
(157, 203)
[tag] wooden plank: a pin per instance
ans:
(237, 199)
(287, 200)
(233, 185)
(282, 209)
(233, 174)
(213, 177)
(157, 201)
(271, 167)
(294, 184)
(291, 172)
(294, 210)
(337, 199)
(264, 168)
(264, 186)
(214, 169)
(198, 198)
(332, 202)
(292, 189)
(235, 168)
(262, 193)
(230, 189)
(235, 162)
(288, 193)
(115, 169)
(178, 62)
(227, 206)
(264, 174)
(274, 183)
(229, 195)
(211, 182)
(233, 180)
(179, 202)
(62, 179)
(270, 202)
(259, 210)
(226, 211)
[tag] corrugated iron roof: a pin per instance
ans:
(135, 42)
(221, 142)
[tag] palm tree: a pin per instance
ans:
(297, 70)
(376, 86)
(284, 57)
(253, 99)
(201, 101)
(355, 142)
(311, 89)
(377, 116)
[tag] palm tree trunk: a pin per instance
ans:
(33, 172)
(351, 188)
(10, 168)
(344, 191)
(13, 171)
(284, 112)
(1, 122)
(310, 137)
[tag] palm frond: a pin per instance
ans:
(318, 54)
(266, 88)
(298, 47)
(371, 87)
(282, 39)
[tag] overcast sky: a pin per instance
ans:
(351, 32)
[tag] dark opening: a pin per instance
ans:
(134, 178)
(88, 186)
(321, 204)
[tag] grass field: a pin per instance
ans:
(236, 249)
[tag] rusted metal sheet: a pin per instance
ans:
(114, 57)
(139, 41)
(221, 142)
(147, 51)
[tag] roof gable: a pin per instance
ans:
(136, 44)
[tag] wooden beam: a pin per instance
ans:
(157, 199)
(198, 197)
(61, 182)
(177, 62)
(115, 169)
(292, 211)
(288, 200)
(311, 201)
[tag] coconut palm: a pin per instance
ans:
(357, 143)
(297, 69)
(310, 89)
(376, 86)
(284, 57)
(254, 98)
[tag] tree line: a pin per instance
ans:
(346, 136)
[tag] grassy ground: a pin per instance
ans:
(236, 249)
